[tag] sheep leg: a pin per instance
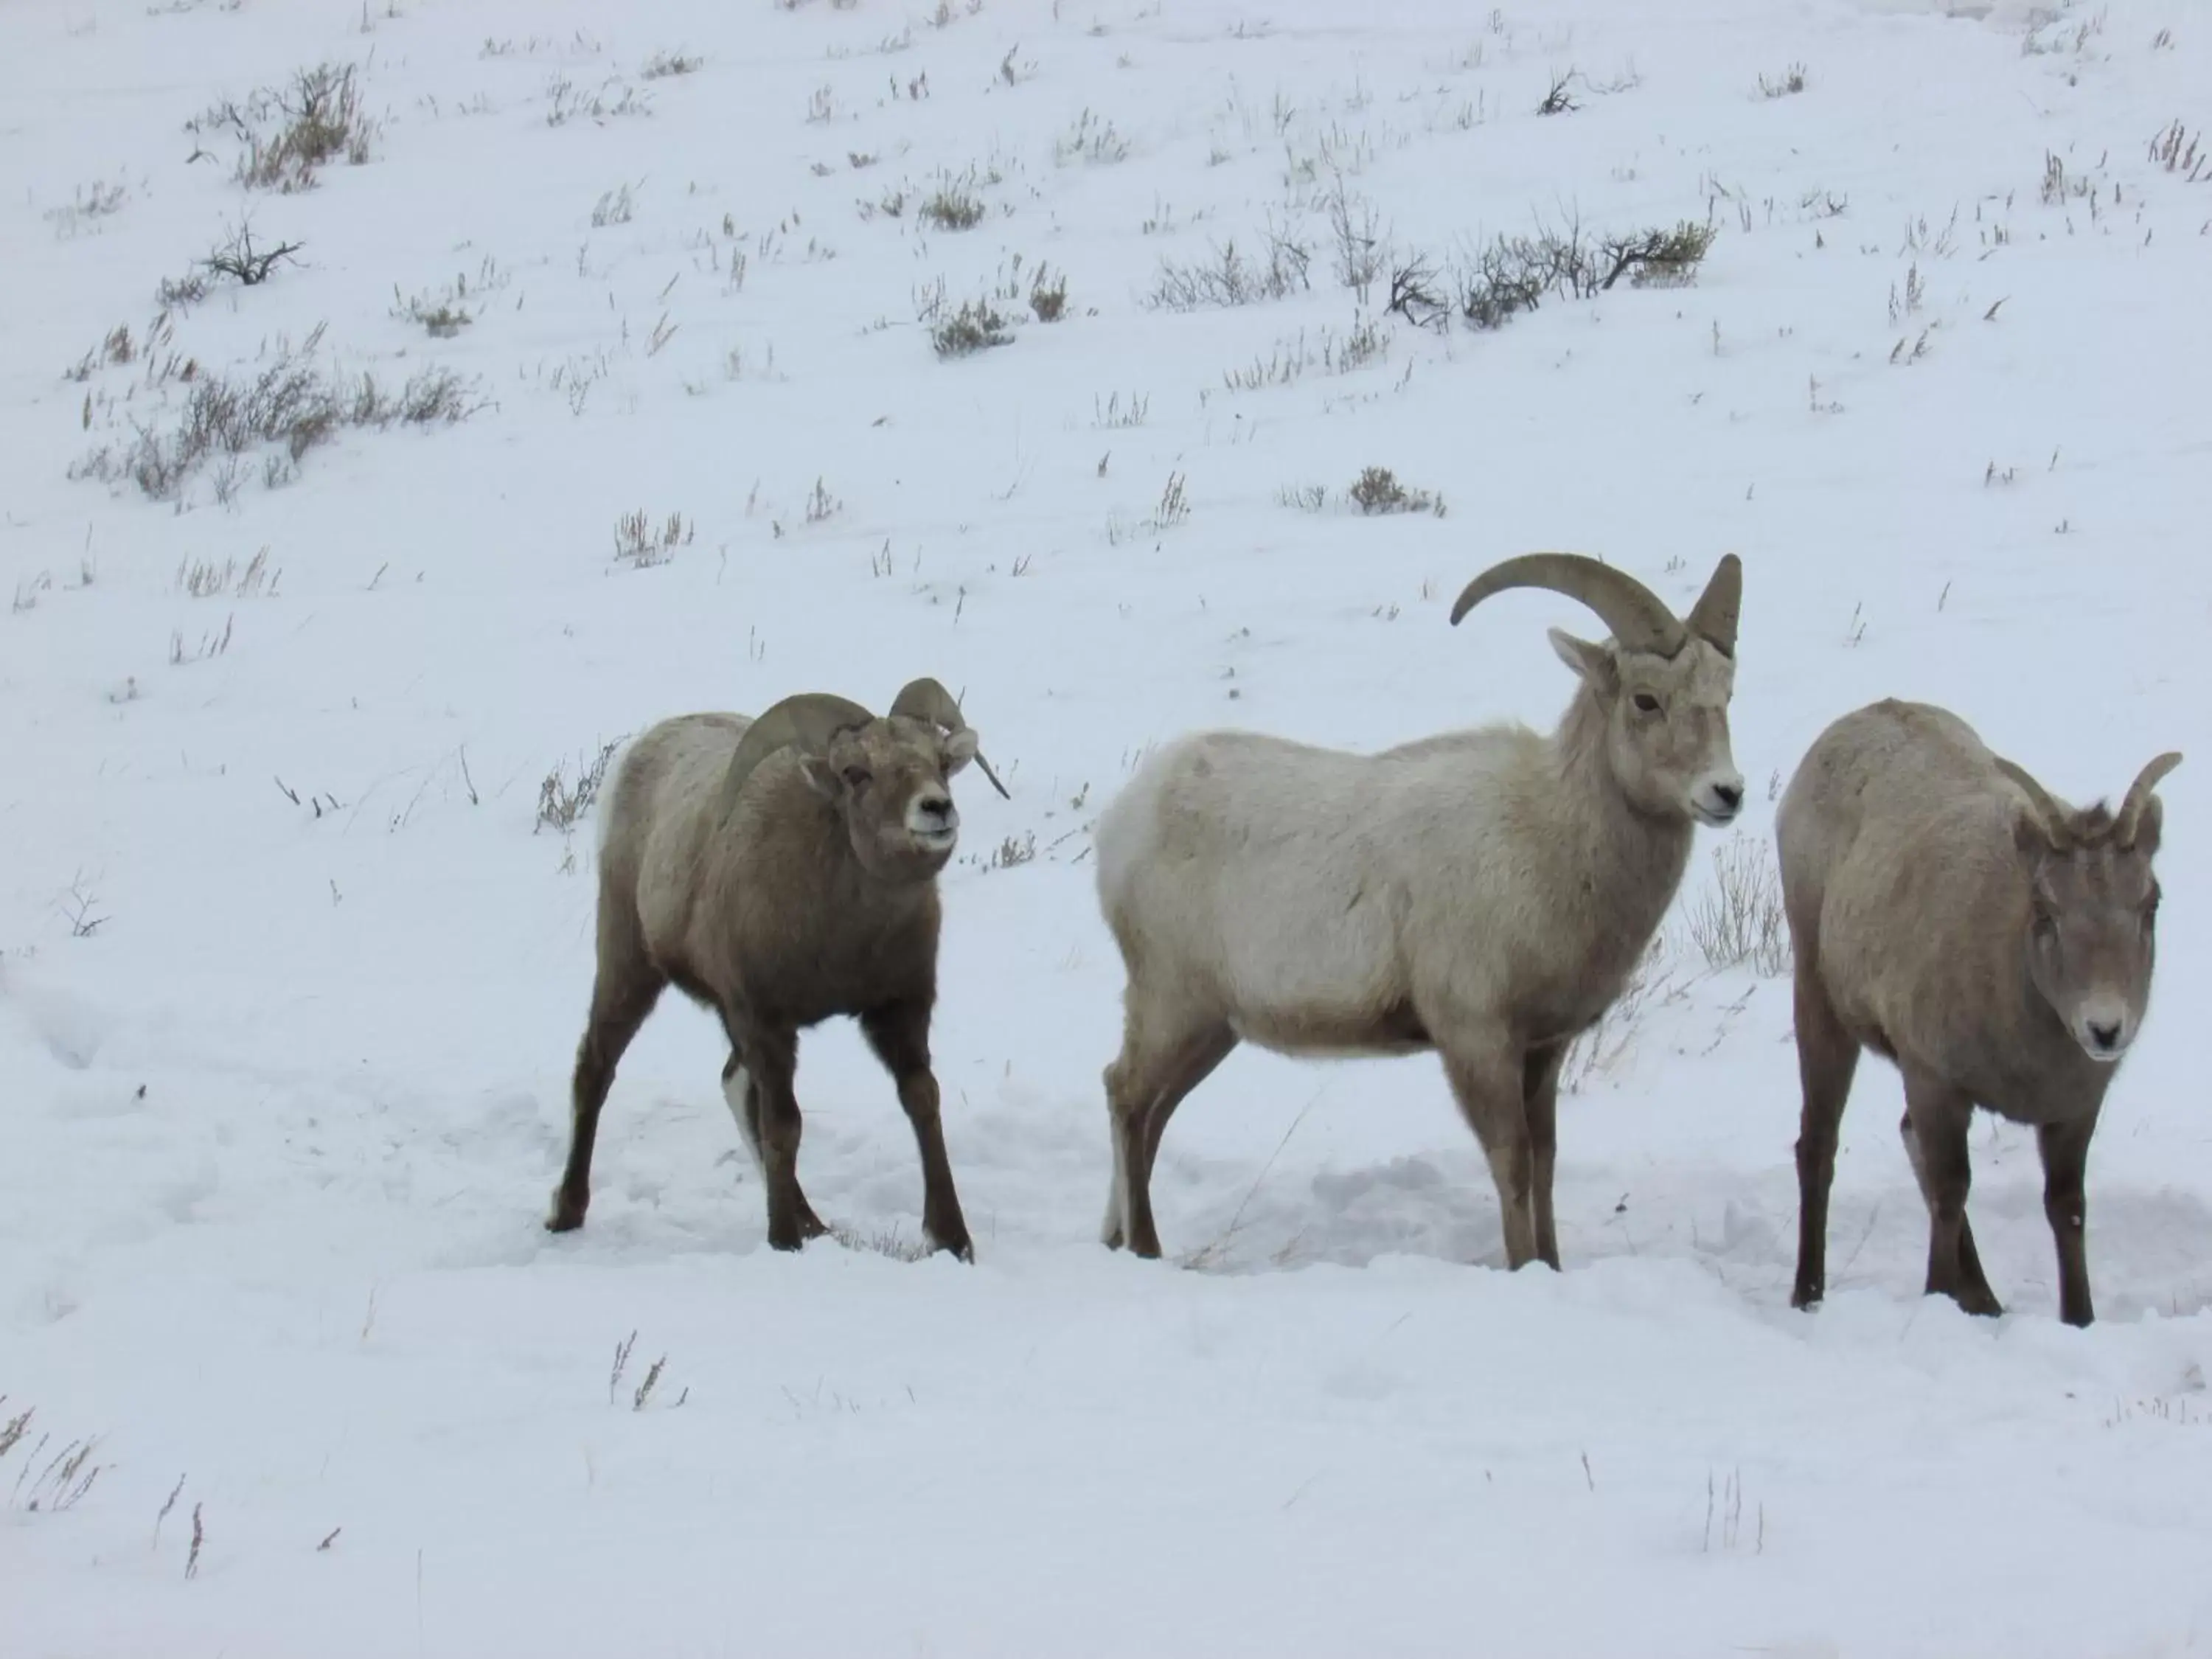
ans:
(1936, 1118)
(1487, 1080)
(1540, 1094)
(1199, 1061)
(743, 1102)
(745, 1106)
(1114, 1230)
(2065, 1148)
(771, 1062)
(1144, 1087)
(1827, 1058)
(900, 1036)
(620, 1003)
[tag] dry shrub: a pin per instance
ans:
(1738, 920)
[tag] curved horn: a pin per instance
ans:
(2049, 814)
(2129, 819)
(925, 699)
(1715, 616)
(1637, 617)
(809, 719)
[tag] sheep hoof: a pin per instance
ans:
(567, 1217)
(959, 1245)
(1981, 1305)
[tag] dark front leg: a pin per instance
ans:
(744, 1097)
(1540, 1090)
(771, 1064)
(1937, 1117)
(900, 1036)
(2065, 1148)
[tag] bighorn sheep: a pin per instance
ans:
(1948, 914)
(1484, 893)
(779, 870)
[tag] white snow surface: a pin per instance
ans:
(285, 1082)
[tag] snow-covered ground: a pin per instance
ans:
(292, 980)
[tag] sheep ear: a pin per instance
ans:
(821, 777)
(1593, 663)
(958, 748)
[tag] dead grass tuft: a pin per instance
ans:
(1048, 295)
(976, 326)
(952, 206)
(565, 797)
(289, 407)
(287, 135)
(204, 579)
(1376, 490)
(1230, 278)
(640, 544)
(1789, 81)
(882, 1241)
(61, 1481)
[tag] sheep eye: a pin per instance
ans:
(1646, 703)
(856, 777)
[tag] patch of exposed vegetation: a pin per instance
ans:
(1376, 490)
(278, 414)
(976, 326)
(287, 135)
(1229, 277)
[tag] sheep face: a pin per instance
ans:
(2093, 925)
(888, 780)
(1667, 724)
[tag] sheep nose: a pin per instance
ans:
(2105, 1037)
(932, 814)
(1730, 795)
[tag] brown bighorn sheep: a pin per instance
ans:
(1484, 893)
(1948, 914)
(779, 870)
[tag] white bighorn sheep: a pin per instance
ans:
(1483, 893)
(779, 870)
(1997, 944)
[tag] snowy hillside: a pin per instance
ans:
(665, 312)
